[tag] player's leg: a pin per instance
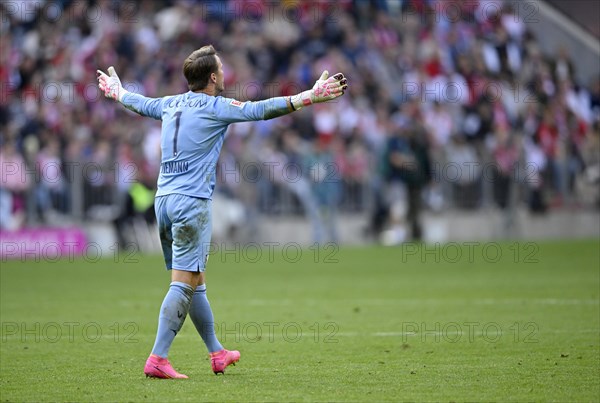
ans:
(179, 235)
(174, 310)
(202, 316)
(203, 319)
(200, 311)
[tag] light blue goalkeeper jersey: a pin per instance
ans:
(193, 130)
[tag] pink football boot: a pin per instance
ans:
(221, 359)
(158, 367)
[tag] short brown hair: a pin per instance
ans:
(198, 67)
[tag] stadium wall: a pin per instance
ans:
(450, 226)
(558, 31)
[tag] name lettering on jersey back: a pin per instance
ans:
(174, 167)
(192, 103)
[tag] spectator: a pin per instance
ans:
(506, 155)
(52, 192)
(14, 184)
(535, 164)
(326, 186)
(466, 183)
(408, 172)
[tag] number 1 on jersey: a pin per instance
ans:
(177, 118)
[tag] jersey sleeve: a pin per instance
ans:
(151, 107)
(230, 110)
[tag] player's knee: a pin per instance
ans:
(187, 277)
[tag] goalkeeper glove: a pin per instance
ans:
(111, 84)
(325, 89)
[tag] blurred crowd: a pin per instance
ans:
(451, 104)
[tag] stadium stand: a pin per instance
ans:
(452, 105)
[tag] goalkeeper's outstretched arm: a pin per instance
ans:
(325, 89)
(111, 85)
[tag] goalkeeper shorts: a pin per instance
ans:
(184, 227)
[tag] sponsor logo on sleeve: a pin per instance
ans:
(236, 103)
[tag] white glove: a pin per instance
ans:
(325, 89)
(111, 84)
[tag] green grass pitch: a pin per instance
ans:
(486, 322)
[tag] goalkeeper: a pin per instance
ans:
(193, 129)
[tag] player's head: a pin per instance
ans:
(203, 68)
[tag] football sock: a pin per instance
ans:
(202, 317)
(173, 311)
